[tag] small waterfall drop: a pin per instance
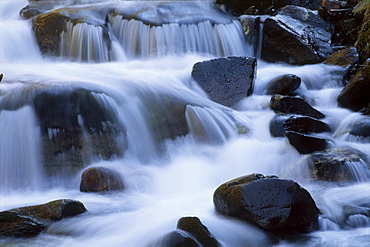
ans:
(20, 155)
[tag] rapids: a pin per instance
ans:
(178, 178)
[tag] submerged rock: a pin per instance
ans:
(361, 128)
(356, 94)
(282, 123)
(176, 239)
(196, 229)
(337, 164)
(273, 204)
(296, 36)
(100, 179)
(288, 104)
(226, 80)
(284, 84)
(306, 144)
(14, 225)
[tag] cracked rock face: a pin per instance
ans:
(296, 36)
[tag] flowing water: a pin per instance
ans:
(176, 178)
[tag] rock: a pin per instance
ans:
(176, 239)
(273, 204)
(306, 144)
(367, 111)
(356, 94)
(196, 229)
(361, 128)
(282, 123)
(52, 211)
(14, 225)
(362, 41)
(288, 104)
(36, 8)
(226, 80)
(76, 125)
(296, 36)
(240, 7)
(284, 84)
(345, 58)
(333, 164)
(100, 179)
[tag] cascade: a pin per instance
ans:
(122, 97)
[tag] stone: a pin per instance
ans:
(14, 225)
(356, 94)
(282, 123)
(283, 85)
(176, 239)
(296, 36)
(196, 229)
(52, 211)
(361, 128)
(100, 179)
(274, 204)
(296, 105)
(306, 144)
(332, 165)
(345, 58)
(226, 80)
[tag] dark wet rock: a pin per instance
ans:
(356, 94)
(100, 179)
(273, 204)
(75, 126)
(176, 239)
(345, 58)
(334, 164)
(282, 123)
(196, 229)
(296, 105)
(284, 84)
(240, 7)
(226, 80)
(367, 111)
(306, 144)
(52, 211)
(14, 225)
(361, 128)
(296, 36)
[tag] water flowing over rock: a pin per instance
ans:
(296, 36)
(338, 165)
(100, 179)
(226, 80)
(282, 123)
(283, 84)
(296, 105)
(361, 128)
(272, 203)
(176, 239)
(356, 94)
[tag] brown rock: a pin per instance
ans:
(100, 179)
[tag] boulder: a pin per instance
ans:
(296, 105)
(283, 85)
(334, 165)
(271, 203)
(52, 211)
(176, 239)
(240, 7)
(226, 80)
(282, 123)
(14, 225)
(361, 128)
(296, 36)
(356, 94)
(100, 179)
(345, 58)
(76, 125)
(196, 229)
(306, 144)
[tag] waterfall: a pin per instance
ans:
(20, 155)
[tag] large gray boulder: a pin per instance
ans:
(273, 204)
(296, 36)
(226, 80)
